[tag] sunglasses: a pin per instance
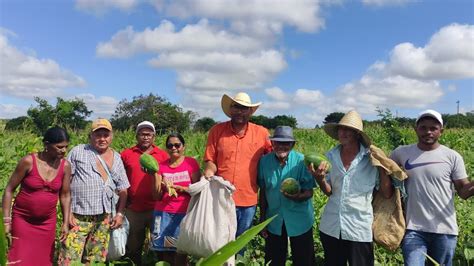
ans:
(177, 145)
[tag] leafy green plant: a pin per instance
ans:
(3, 244)
(231, 248)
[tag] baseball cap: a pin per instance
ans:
(101, 123)
(432, 114)
(146, 124)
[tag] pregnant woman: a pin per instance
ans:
(44, 177)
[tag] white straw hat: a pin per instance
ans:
(241, 98)
(351, 120)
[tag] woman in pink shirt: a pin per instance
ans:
(179, 171)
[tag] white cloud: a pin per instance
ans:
(99, 7)
(200, 37)
(26, 76)
(394, 91)
(253, 16)
(207, 59)
(103, 106)
(12, 111)
(448, 55)
(314, 98)
(276, 94)
(231, 49)
(381, 3)
(279, 106)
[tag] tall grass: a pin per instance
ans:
(14, 145)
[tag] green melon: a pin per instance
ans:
(149, 163)
(290, 186)
(316, 159)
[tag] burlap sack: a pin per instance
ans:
(389, 223)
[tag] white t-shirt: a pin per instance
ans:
(430, 188)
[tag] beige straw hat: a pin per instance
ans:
(351, 120)
(241, 98)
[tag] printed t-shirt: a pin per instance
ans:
(140, 191)
(430, 202)
(181, 176)
(237, 158)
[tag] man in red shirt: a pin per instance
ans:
(233, 150)
(140, 201)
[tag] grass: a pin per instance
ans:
(14, 145)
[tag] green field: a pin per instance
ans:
(14, 145)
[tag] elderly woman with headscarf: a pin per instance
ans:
(346, 223)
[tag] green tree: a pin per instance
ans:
(156, 109)
(262, 120)
(204, 124)
(284, 120)
(334, 117)
(391, 127)
(456, 121)
(19, 123)
(70, 114)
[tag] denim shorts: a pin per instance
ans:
(165, 230)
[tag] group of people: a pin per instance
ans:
(98, 188)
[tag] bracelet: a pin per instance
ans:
(120, 214)
(7, 218)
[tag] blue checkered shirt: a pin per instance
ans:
(90, 195)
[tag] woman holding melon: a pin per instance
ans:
(170, 187)
(346, 223)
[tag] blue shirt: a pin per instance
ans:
(348, 212)
(297, 216)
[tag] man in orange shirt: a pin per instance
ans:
(233, 150)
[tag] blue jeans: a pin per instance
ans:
(416, 244)
(244, 218)
(244, 221)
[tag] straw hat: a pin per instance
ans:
(351, 120)
(241, 98)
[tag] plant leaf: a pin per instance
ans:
(431, 259)
(231, 248)
(162, 263)
(3, 245)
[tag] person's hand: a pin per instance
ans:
(7, 227)
(207, 175)
(72, 220)
(320, 172)
(296, 197)
(179, 188)
(117, 221)
(152, 173)
(64, 232)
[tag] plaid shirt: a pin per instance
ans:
(90, 195)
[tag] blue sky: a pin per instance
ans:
(304, 58)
